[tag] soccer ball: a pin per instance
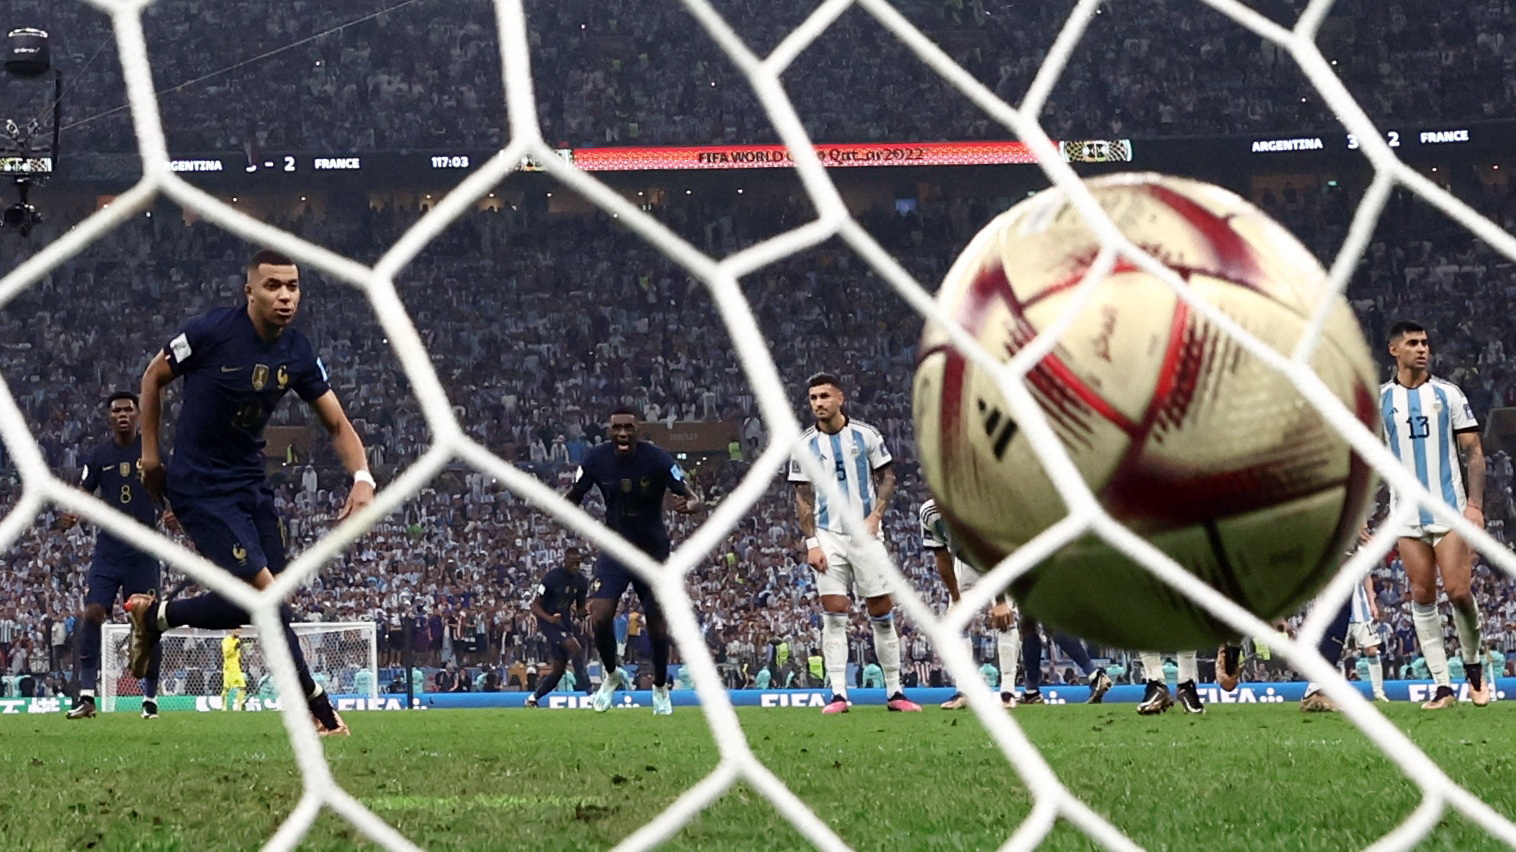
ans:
(1182, 435)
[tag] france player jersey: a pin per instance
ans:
(853, 454)
(233, 380)
(633, 490)
(1421, 426)
(562, 591)
(116, 473)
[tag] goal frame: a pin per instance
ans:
(116, 634)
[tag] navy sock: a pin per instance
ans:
(605, 643)
(1031, 659)
(1074, 647)
(548, 683)
(659, 639)
(209, 611)
(89, 655)
(581, 677)
(1336, 634)
(150, 683)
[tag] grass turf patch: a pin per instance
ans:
(1240, 777)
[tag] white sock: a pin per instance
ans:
(1008, 649)
(1429, 634)
(968, 645)
(1469, 640)
(834, 651)
(1152, 666)
(887, 649)
(86, 693)
(162, 618)
(1189, 670)
(1376, 675)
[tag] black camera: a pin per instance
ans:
(26, 52)
(21, 216)
(25, 155)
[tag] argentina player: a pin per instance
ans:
(843, 565)
(1428, 425)
(959, 576)
(237, 364)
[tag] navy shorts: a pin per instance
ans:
(110, 577)
(556, 635)
(240, 532)
(610, 579)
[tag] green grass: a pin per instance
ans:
(1241, 777)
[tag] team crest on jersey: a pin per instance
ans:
(626, 486)
(1436, 405)
(260, 377)
(239, 553)
(125, 468)
(282, 377)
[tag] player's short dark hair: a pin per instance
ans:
(625, 409)
(270, 257)
(1403, 327)
(122, 394)
(823, 378)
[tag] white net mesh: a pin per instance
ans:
(1052, 800)
(343, 658)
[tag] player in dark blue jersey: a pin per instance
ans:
(632, 477)
(559, 599)
(114, 470)
(237, 364)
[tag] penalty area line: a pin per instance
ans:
(491, 802)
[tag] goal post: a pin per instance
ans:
(343, 656)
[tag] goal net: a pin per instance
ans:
(343, 657)
(1294, 43)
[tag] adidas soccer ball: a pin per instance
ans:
(1182, 435)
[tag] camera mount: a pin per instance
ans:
(22, 159)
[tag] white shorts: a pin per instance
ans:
(852, 566)
(1363, 635)
(1429, 533)
(968, 575)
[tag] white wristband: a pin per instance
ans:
(364, 476)
(812, 543)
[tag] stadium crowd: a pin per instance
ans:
(423, 74)
(538, 325)
(463, 556)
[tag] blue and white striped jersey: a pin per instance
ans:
(935, 534)
(853, 453)
(1421, 427)
(934, 531)
(1359, 612)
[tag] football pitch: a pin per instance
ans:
(1239, 777)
